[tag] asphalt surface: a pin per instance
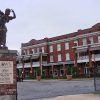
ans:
(38, 90)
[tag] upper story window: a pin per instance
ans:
(51, 48)
(58, 47)
(37, 50)
(66, 46)
(42, 49)
(67, 56)
(24, 52)
(33, 51)
(59, 57)
(84, 41)
(91, 40)
(28, 52)
(99, 39)
(51, 58)
(76, 43)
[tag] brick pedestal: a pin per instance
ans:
(8, 84)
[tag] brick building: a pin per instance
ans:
(79, 50)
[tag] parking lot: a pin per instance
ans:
(38, 90)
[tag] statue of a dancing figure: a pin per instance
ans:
(5, 18)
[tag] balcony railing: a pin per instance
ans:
(19, 65)
(95, 57)
(82, 57)
(26, 65)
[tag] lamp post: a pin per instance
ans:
(90, 56)
(31, 70)
(23, 71)
(40, 56)
(89, 51)
(75, 61)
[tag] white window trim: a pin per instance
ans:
(51, 59)
(99, 39)
(59, 57)
(76, 42)
(28, 52)
(66, 45)
(58, 47)
(91, 40)
(51, 48)
(33, 51)
(24, 51)
(67, 56)
(84, 42)
(37, 50)
(42, 49)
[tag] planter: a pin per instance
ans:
(69, 77)
(38, 78)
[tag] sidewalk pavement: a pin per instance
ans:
(77, 97)
(76, 79)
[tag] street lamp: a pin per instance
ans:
(40, 55)
(75, 61)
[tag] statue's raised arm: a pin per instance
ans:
(7, 15)
(14, 15)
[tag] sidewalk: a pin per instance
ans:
(74, 79)
(77, 97)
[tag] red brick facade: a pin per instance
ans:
(90, 37)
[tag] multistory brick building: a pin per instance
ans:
(79, 50)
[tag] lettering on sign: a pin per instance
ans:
(6, 72)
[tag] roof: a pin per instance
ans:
(94, 28)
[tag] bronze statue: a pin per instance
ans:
(5, 18)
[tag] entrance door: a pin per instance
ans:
(27, 74)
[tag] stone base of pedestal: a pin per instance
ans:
(8, 84)
(8, 97)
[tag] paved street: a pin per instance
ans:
(35, 90)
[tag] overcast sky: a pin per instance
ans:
(37, 19)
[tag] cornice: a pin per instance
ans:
(62, 40)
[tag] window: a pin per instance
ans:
(42, 49)
(51, 48)
(33, 51)
(76, 42)
(58, 47)
(99, 39)
(84, 41)
(59, 57)
(61, 72)
(28, 52)
(91, 40)
(67, 56)
(56, 72)
(66, 46)
(24, 52)
(37, 50)
(51, 58)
